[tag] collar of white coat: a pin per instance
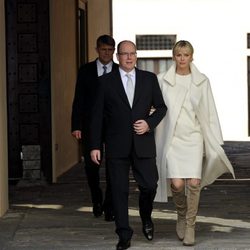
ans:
(197, 76)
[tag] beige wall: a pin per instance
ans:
(98, 26)
(63, 77)
(63, 18)
(4, 203)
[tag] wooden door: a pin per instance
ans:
(28, 89)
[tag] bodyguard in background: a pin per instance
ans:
(85, 93)
(122, 113)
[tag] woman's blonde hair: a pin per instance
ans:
(181, 44)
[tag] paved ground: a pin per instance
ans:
(59, 216)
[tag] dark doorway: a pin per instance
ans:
(82, 33)
(28, 89)
(82, 44)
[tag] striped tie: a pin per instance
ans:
(104, 69)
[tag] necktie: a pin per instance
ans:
(104, 69)
(130, 89)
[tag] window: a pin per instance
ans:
(154, 52)
(156, 65)
(155, 42)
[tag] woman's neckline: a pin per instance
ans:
(187, 74)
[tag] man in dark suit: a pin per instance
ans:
(122, 113)
(85, 93)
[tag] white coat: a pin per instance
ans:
(215, 161)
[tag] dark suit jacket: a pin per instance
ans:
(113, 113)
(85, 94)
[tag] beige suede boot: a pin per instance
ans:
(179, 199)
(193, 197)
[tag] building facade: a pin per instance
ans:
(219, 31)
(44, 43)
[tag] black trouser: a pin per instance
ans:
(146, 175)
(93, 176)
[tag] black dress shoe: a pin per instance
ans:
(109, 216)
(148, 230)
(123, 244)
(97, 209)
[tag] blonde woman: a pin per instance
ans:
(188, 139)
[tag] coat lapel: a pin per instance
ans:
(118, 86)
(138, 86)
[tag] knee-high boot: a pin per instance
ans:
(179, 199)
(193, 197)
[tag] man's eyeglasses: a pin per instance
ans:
(131, 54)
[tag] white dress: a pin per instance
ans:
(187, 158)
(184, 159)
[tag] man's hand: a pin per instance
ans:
(141, 127)
(96, 156)
(77, 134)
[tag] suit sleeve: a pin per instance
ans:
(96, 119)
(158, 104)
(77, 106)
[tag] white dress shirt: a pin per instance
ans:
(125, 78)
(100, 67)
